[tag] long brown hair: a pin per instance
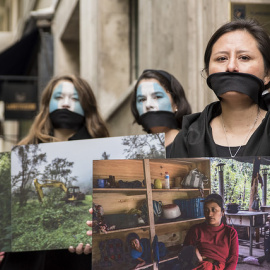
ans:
(42, 129)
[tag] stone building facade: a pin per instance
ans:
(110, 42)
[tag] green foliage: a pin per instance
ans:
(59, 169)
(54, 223)
(237, 180)
(148, 146)
(50, 225)
(30, 158)
(5, 202)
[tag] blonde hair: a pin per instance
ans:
(42, 129)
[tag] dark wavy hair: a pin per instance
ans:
(171, 85)
(254, 28)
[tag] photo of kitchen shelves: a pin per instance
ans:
(119, 202)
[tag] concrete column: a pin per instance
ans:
(14, 15)
(204, 18)
(45, 61)
(145, 34)
(11, 130)
(89, 15)
(66, 33)
(194, 90)
(104, 49)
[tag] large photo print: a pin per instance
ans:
(149, 212)
(51, 187)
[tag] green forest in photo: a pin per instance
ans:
(237, 181)
(46, 189)
(44, 214)
(54, 224)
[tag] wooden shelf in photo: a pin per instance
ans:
(178, 221)
(146, 227)
(119, 190)
(122, 200)
(172, 254)
(104, 190)
(179, 190)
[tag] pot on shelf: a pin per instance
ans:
(232, 208)
(170, 211)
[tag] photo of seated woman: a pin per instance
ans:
(214, 242)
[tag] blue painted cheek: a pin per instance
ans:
(53, 105)
(54, 102)
(164, 104)
(139, 105)
(78, 108)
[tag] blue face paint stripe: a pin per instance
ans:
(78, 108)
(139, 105)
(56, 97)
(151, 96)
(54, 102)
(164, 103)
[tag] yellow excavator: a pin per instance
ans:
(73, 193)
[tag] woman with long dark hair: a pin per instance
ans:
(159, 104)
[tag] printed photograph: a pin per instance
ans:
(51, 187)
(142, 214)
(165, 212)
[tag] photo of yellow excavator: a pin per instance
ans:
(72, 193)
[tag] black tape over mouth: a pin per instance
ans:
(244, 83)
(158, 119)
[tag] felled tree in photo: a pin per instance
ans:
(29, 158)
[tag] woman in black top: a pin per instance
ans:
(237, 63)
